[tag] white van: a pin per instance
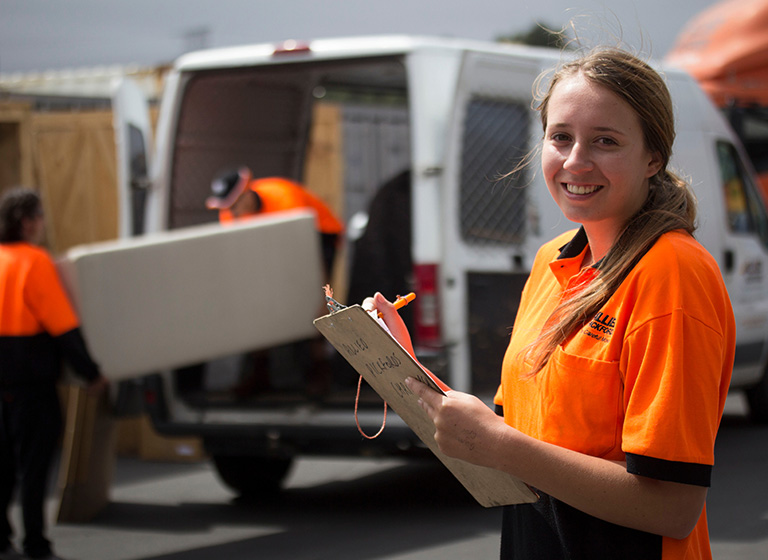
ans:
(421, 131)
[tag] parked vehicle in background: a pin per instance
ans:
(725, 48)
(406, 138)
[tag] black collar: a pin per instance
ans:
(575, 246)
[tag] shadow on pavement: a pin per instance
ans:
(737, 505)
(405, 508)
(415, 507)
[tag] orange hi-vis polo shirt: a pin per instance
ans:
(278, 194)
(31, 297)
(37, 321)
(644, 380)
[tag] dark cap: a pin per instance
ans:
(227, 187)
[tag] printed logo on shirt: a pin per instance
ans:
(601, 327)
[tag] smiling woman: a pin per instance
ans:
(616, 373)
(621, 127)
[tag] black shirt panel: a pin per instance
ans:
(27, 361)
(552, 530)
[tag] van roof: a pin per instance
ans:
(371, 46)
(347, 47)
(724, 49)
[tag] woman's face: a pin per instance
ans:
(594, 158)
(33, 228)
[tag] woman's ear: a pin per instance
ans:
(654, 165)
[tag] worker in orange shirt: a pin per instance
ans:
(235, 194)
(38, 326)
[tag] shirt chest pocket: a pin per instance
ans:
(581, 402)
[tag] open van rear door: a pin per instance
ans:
(133, 138)
(490, 225)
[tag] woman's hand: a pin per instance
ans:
(392, 319)
(98, 385)
(465, 428)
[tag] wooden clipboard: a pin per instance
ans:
(385, 365)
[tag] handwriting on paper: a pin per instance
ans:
(378, 366)
(383, 363)
(354, 348)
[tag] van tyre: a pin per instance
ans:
(757, 399)
(252, 477)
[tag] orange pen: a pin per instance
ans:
(402, 301)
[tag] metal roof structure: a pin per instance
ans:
(93, 85)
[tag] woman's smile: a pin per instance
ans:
(581, 189)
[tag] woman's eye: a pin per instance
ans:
(608, 141)
(559, 137)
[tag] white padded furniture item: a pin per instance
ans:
(181, 297)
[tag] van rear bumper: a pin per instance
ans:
(308, 429)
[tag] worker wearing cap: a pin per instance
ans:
(235, 194)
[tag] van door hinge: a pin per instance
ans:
(432, 171)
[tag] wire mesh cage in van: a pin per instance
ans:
(492, 205)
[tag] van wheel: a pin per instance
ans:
(252, 477)
(757, 399)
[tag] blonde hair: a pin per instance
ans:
(670, 204)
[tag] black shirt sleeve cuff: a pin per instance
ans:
(75, 351)
(670, 471)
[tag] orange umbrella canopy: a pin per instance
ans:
(726, 49)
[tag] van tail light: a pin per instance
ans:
(427, 328)
(150, 397)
